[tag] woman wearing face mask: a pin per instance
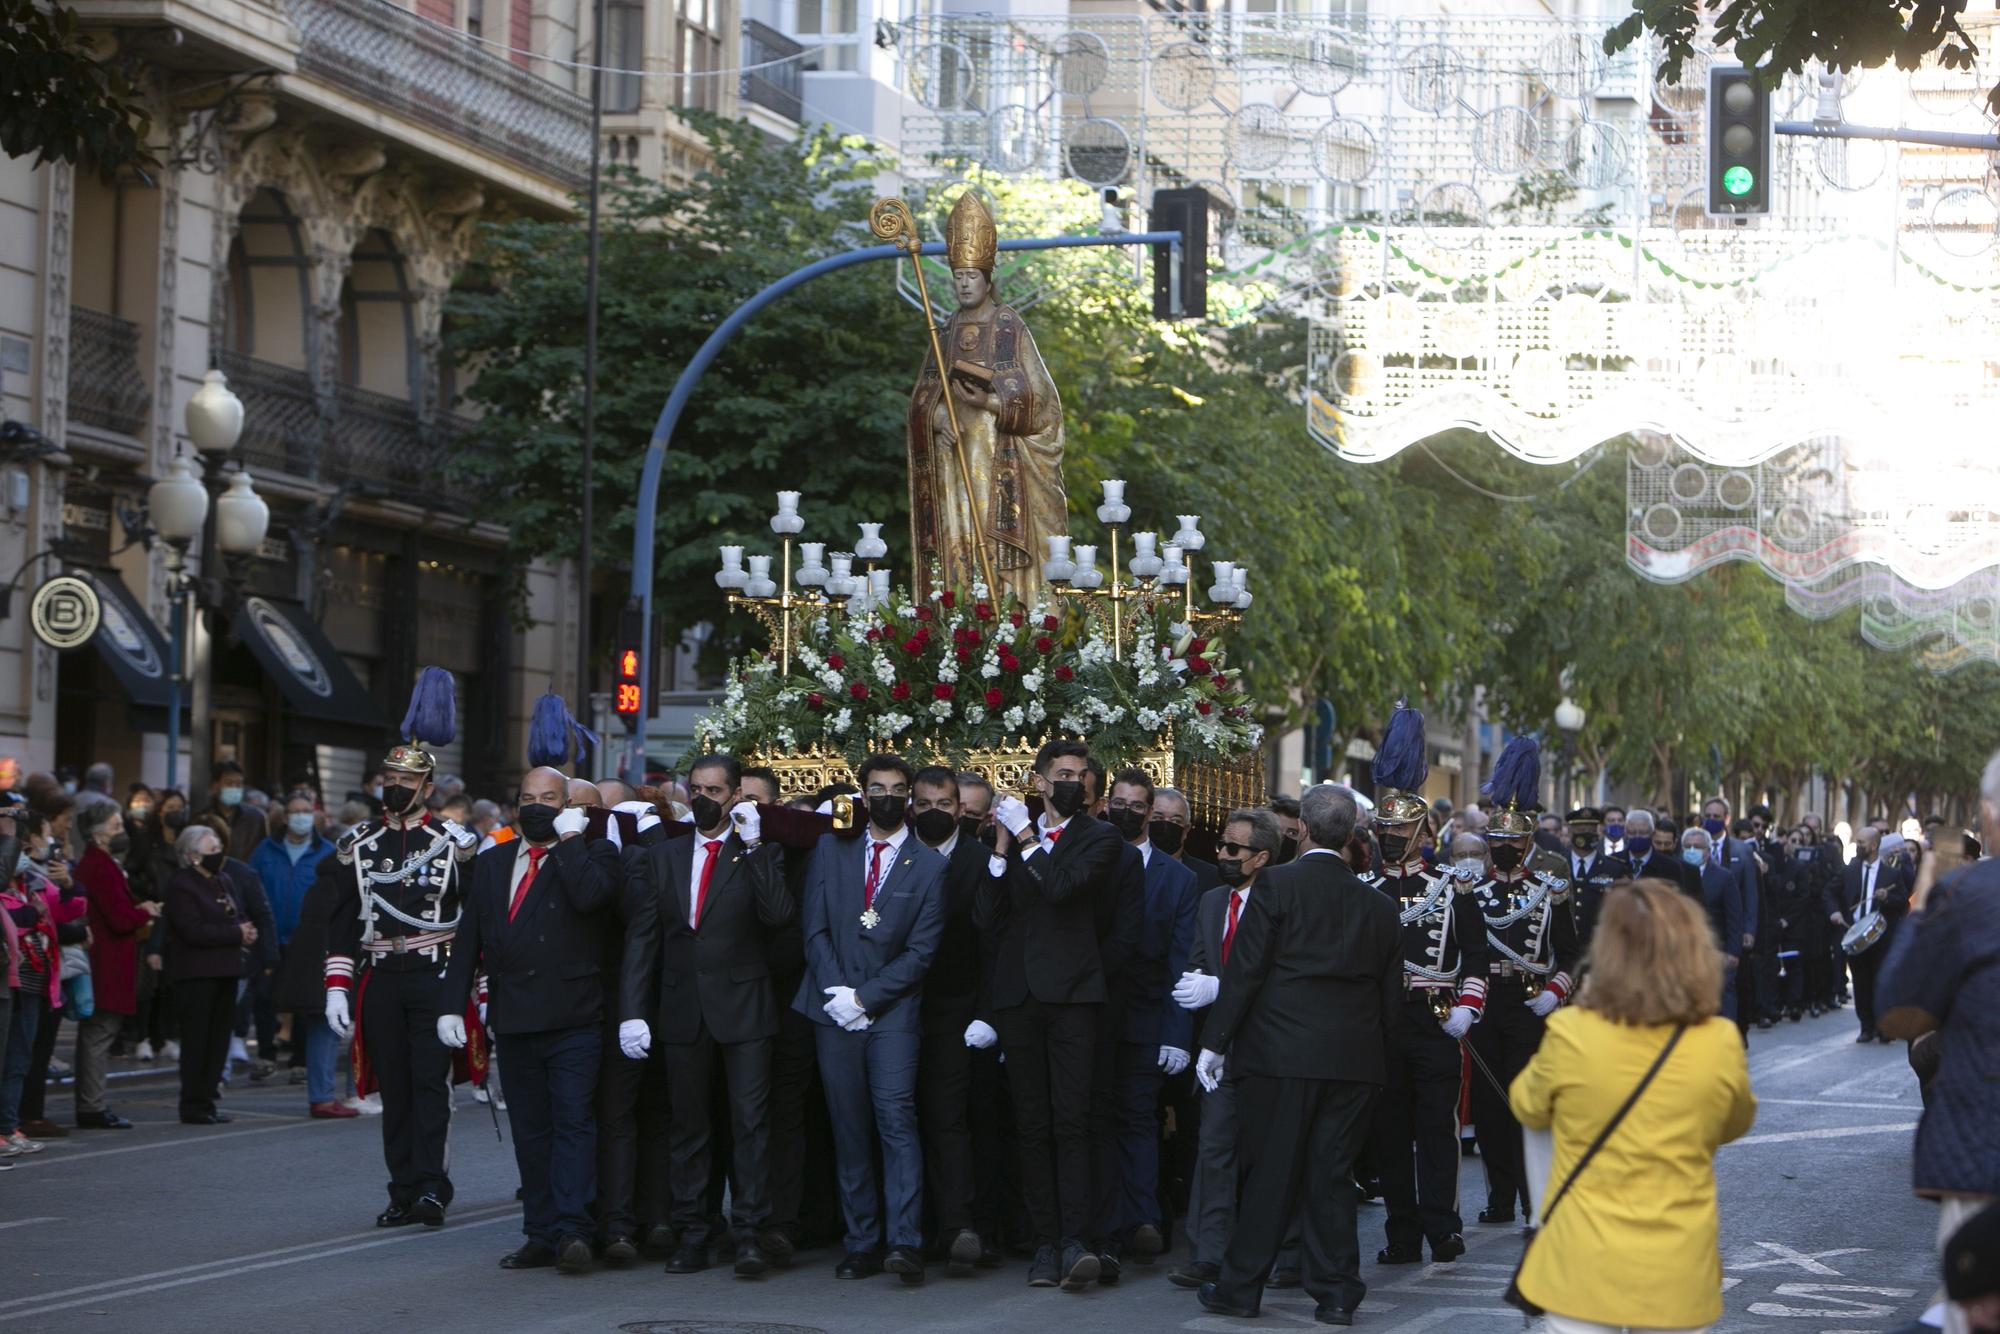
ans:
(117, 924)
(206, 940)
(38, 901)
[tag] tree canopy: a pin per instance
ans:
(58, 101)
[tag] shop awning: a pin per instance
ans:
(304, 663)
(128, 641)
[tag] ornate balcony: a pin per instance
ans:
(396, 60)
(106, 387)
(776, 88)
(281, 421)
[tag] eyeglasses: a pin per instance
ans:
(1118, 805)
(1236, 849)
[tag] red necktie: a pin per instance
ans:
(1229, 928)
(535, 856)
(1053, 835)
(874, 874)
(707, 874)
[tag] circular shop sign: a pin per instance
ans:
(65, 612)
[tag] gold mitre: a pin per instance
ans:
(970, 242)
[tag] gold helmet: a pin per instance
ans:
(410, 758)
(970, 241)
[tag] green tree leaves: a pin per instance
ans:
(58, 101)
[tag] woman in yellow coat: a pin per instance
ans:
(1634, 1242)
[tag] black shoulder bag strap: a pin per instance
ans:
(1514, 1297)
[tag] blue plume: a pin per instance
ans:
(433, 715)
(550, 731)
(1402, 761)
(1517, 774)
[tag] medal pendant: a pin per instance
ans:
(870, 920)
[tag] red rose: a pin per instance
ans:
(901, 690)
(859, 690)
(873, 634)
(983, 610)
(913, 647)
(1065, 674)
(993, 697)
(1009, 663)
(1044, 644)
(1221, 684)
(962, 653)
(835, 661)
(1239, 712)
(1050, 623)
(815, 700)
(949, 600)
(942, 690)
(923, 613)
(1195, 646)
(1198, 665)
(1016, 619)
(1203, 707)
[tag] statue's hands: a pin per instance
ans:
(971, 396)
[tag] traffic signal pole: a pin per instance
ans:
(1811, 129)
(647, 519)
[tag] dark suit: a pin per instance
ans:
(1729, 914)
(708, 988)
(1150, 1022)
(544, 965)
(1206, 877)
(1048, 984)
(1309, 1004)
(871, 1075)
(955, 994)
(1121, 915)
(631, 1169)
(1593, 877)
(1892, 896)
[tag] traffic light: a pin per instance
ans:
(1186, 212)
(629, 695)
(1739, 143)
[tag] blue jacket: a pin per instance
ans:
(1942, 971)
(1166, 938)
(885, 963)
(286, 881)
(1732, 909)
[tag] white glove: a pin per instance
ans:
(482, 1014)
(858, 1023)
(842, 1008)
(635, 1039)
(1544, 1004)
(1208, 1069)
(1012, 813)
(458, 833)
(571, 820)
(1459, 1022)
(979, 1035)
(451, 1030)
(749, 824)
(824, 808)
(337, 1017)
(1195, 990)
(1173, 1060)
(648, 816)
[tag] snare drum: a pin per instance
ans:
(1866, 933)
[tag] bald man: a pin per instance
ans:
(534, 921)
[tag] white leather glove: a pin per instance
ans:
(1459, 1022)
(1544, 1004)
(842, 1008)
(979, 1035)
(635, 1038)
(1195, 990)
(337, 1017)
(1012, 813)
(749, 823)
(1208, 1069)
(571, 820)
(1173, 1060)
(648, 816)
(451, 1030)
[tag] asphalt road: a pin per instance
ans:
(267, 1223)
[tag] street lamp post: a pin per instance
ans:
(1569, 721)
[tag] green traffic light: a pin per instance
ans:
(1739, 181)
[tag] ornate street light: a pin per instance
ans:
(1569, 721)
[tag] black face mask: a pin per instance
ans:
(1288, 848)
(212, 863)
(968, 825)
(396, 799)
(1166, 836)
(1231, 870)
(175, 819)
(935, 827)
(1584, 843)
(538, 821)
(118, 844)
(1393, 847)
(705, 810)
(1066, 797)
(1127, 822)
(1506, 856)
(886, 812)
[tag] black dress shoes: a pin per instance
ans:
(1109, 1269)
(690, 1257)
(534, 1255)
(1334, 1315)
(659, 1240)
(396, 1215)
(1400, 1255)
(104, 1120)
(621, 1250)
(1446, 1249)
(1147, 1243)
(1195, 1273)
(966, 1248)
(1867, 1035)
(208, 1119)
(751, 1262)
(429, 1210)
(778, 1247)
(1079, 1268)
(1214, 1305)
(858, 1264)
(1042, 1269)
(573, 1255)
(1283, 1278)
(1496, 1215)
(906, 1263)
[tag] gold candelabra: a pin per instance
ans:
(815, 588)
(1157, 571)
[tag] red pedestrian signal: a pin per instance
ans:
(628, 698)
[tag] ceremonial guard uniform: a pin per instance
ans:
(1531, 936)
(1416, 1120)
(389, 941)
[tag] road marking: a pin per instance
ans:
(1829, 1102)
(24, 1222)
(1807, 1262)
(236, 1266)
(1803, 1056)
(155, 1146)
(1828, 1132)
(1844, 1308)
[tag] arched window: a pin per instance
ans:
(378, 343)
(268, 301)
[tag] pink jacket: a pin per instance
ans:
(18, 895)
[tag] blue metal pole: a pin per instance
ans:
(663, 430)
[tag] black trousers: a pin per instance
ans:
(997, 1208)
(1106, 1121)
(204, 1007)
(1297, 1140)
(1766, 997)
(1050, 1060)
(1415, 1141)
(399, 1014)
(746, 1075)
(1505, 1038)
(1864, 967)
(805, 1200)
(944, 1116)
(620, 1085)
(35, 1089)
(551, 1085)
